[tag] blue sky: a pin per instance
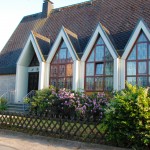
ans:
(12, 11)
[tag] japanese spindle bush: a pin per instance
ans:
(127, 118)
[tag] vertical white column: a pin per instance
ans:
(75, 75)
(122, 74)
(116, 74)
(82, 75)
(21, 83)
(47, 75)
(41, 76)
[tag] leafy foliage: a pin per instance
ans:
(128, 118)
(41, 101)
(3, 104)
(68, 103)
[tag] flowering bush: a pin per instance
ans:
(68, 103)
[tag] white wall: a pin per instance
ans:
(7, 83)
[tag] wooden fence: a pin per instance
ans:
(72, 128)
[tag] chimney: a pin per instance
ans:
(47, 8)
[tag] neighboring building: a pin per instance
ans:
(96, 46)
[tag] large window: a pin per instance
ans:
(99, 68)
(61, 68)
(138, 62)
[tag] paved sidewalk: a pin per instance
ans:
(18, 141)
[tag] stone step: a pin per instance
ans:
(16, 108)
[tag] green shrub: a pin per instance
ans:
(3, 104)
(128, 118)
(42, 100)
(68, 103)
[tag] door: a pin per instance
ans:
(33, 81)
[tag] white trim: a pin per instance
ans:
(31, 40)
(47, 73)
(99, 30)
(41, 76)
(75, 75)
(82, 75)
(122, 74)
(62, 35)
(33, 69)
(116, 75)
(140, 26)
(23, 69)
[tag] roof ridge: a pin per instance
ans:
(74, 5)
(41, 36)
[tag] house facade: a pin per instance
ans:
(93, 46)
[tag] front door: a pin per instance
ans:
(33, 81)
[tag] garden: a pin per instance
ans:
(120, 118)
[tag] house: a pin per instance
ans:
(96, 46)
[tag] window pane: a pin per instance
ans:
(99, 69)
(99, 55)
(53, 82)
(62, 55)
(142, 68)
(69, 58)
(55, 60)
(54, 71)
(100, 41)
(142, 38)
(142, 51)
(108, 55)
(131, 68)
(91, 58)
(109, 68)
(89, 83)
(149, 51)
(109, 83)
(90, 69)
(131, 80)
(142, 81)
(62, 71)
(69, 70)
(99, 84)
(63, 45)
(132, 55)
(61, 83)
(69, 83)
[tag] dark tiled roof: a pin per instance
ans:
(74, 40)
(43, 43)
(118, 16)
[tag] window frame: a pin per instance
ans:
(137, 61)
(59, 63)
(104, 61)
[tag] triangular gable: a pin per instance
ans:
(43, 43)
(26, 50)
(99, 31)
(74, 40)
(62, 35)
(141, 25)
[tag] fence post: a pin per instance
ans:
(60, 127)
